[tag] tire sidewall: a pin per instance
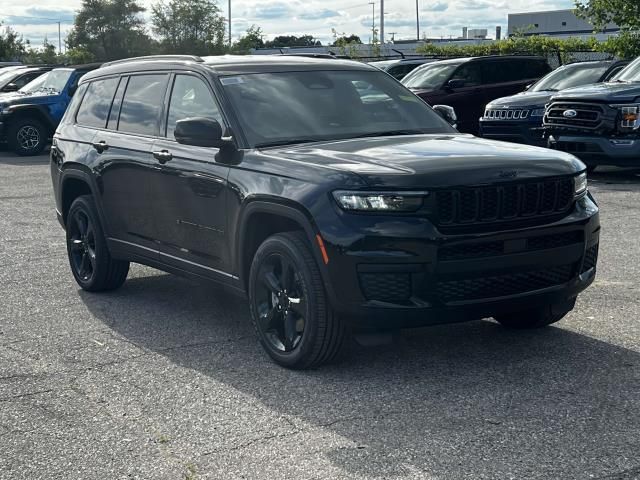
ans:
(15, 144)
(85, 204)
(315, 306)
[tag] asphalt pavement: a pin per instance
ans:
(164, 379)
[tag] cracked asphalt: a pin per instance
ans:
(163, 379)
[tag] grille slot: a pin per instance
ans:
(502, 285)
(466, 206)
(505, 114)
(386, 287)
(587, 115)
(590, 258)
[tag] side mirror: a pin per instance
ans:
(11, 87)
(448, 113)
(199, 131)
(455, 83)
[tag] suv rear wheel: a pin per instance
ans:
(27, 137)
(89, 258)
(289, 307)
(537, 317)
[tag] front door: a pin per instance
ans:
(469, 99)
(191, 207)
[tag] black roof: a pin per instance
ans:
(229, 64)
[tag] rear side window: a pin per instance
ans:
(73, 106)
(514, 70)
(97, 101)
(141, 108)
(470, 73)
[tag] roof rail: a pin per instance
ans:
(149, 58)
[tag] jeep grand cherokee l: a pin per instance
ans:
(272, 177)
(598, 123)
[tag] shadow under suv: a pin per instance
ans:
(331, 206)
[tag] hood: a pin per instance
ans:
(16, 98)
(432, 161)
(613, 92)
(524, 99)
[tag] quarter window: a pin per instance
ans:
(142, 104)
(95, 108)
(190, 97)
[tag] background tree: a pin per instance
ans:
(292, 41)
(189, 27)
(110, 29)
(346, 40)
(625, 13)
(251, 39)
(46, 54)
(12, 47)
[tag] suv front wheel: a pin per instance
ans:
(27, 137)
(289, 308)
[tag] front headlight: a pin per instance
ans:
(580, 183)
(629, 117)
(537, 112)
(379, 201)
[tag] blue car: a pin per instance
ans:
(29, 116)
(518, 118)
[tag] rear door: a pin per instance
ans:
(192, 207)
(125, 167)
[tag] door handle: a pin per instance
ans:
(163, 156)
(100, 146)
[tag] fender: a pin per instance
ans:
(288, 210)
(42, 111)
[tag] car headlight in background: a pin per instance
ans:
(580, 183)
(379, 201)
(537, 112)
(629, 117)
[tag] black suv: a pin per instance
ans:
(274, 176)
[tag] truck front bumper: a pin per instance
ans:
(594, 150)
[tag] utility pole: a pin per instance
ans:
(59, 40)
(373, 21)
(229, 23)
(381, 22)
(417, 21)
(393, 36)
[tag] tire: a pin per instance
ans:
(89, 259)
(536, 317)
(28, 137)
(289, 309)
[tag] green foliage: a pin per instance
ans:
(12, 47)
(292, 41)
(110, 29)
(625, 13)
(346, 45)
(78, 55)
(46, 54)
(251, 39)
(193, 27)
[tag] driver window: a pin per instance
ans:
(190, 97)
(469, 74)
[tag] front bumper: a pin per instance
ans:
(402, 272)
(528, 133)
(598, 150)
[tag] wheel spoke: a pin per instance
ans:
(76, 245)
(299, 306)
(84, 265)
(81, 223)
(92, 258)
(286, 274)
(290, 332)
(270, 320)
(271, 282)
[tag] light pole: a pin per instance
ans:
(417, 21)
(381, 22)
(373, 21)
(230, 23)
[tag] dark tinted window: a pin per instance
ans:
(514, 70)
(190, 97)
(69, 114)
(24, 79)
(95, 108)
(469, 73)
(142, 104)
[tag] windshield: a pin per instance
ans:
(631, 73)
(430, 77)
(53, 81)
(298, 107)
(35, 85)
(570, 76)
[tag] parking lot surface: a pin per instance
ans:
(164, 378)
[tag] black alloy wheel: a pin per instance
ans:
(82, 245)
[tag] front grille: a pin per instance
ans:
(590, 258)
(508, 202)
(505, 114)
(386, 287)
(502, 285)
(587, 115)
(497, 248)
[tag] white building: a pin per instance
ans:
(555, 23)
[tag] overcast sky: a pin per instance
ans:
(438, 18)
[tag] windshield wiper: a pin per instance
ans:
(291, 141)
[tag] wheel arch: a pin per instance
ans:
(39, 112)
(76, 180)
